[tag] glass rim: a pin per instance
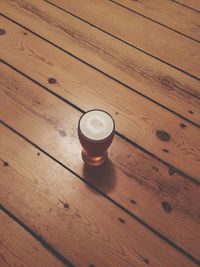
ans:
(93, 140)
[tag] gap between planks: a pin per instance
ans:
(46, 97)
(29, 247)
(123, 137)
(129, 224)
(190, 116)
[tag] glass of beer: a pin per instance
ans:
(96, 129)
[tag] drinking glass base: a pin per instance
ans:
(94, 160)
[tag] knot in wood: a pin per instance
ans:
(51, 80)
(162, 135)
(2, 31)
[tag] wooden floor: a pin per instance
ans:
(139, 61)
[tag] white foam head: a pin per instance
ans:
(96, 125)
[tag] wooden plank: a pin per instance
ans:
(18, 248)
(100, 49)
(60, 207)
(141, 184)
(166, 12)
(175, 90)
(195, 4)
(97, 90)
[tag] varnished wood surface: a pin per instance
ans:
(153, 186)
(18, 248)
(100, 49)
(142, 73)
(194, 4)
(77, 226)
(128, 108)
(169, 13)
(171, 90)
(61, 58)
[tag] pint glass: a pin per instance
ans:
(96, 130)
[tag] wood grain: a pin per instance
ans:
(166, 12)
(75, 220)
(100, 49)
(195, 4)
(141, 184)
(172, 88)
(96, 90)
(140, 31)
(18, 248)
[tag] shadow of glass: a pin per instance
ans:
(102, 177)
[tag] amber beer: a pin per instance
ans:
(96, 130)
